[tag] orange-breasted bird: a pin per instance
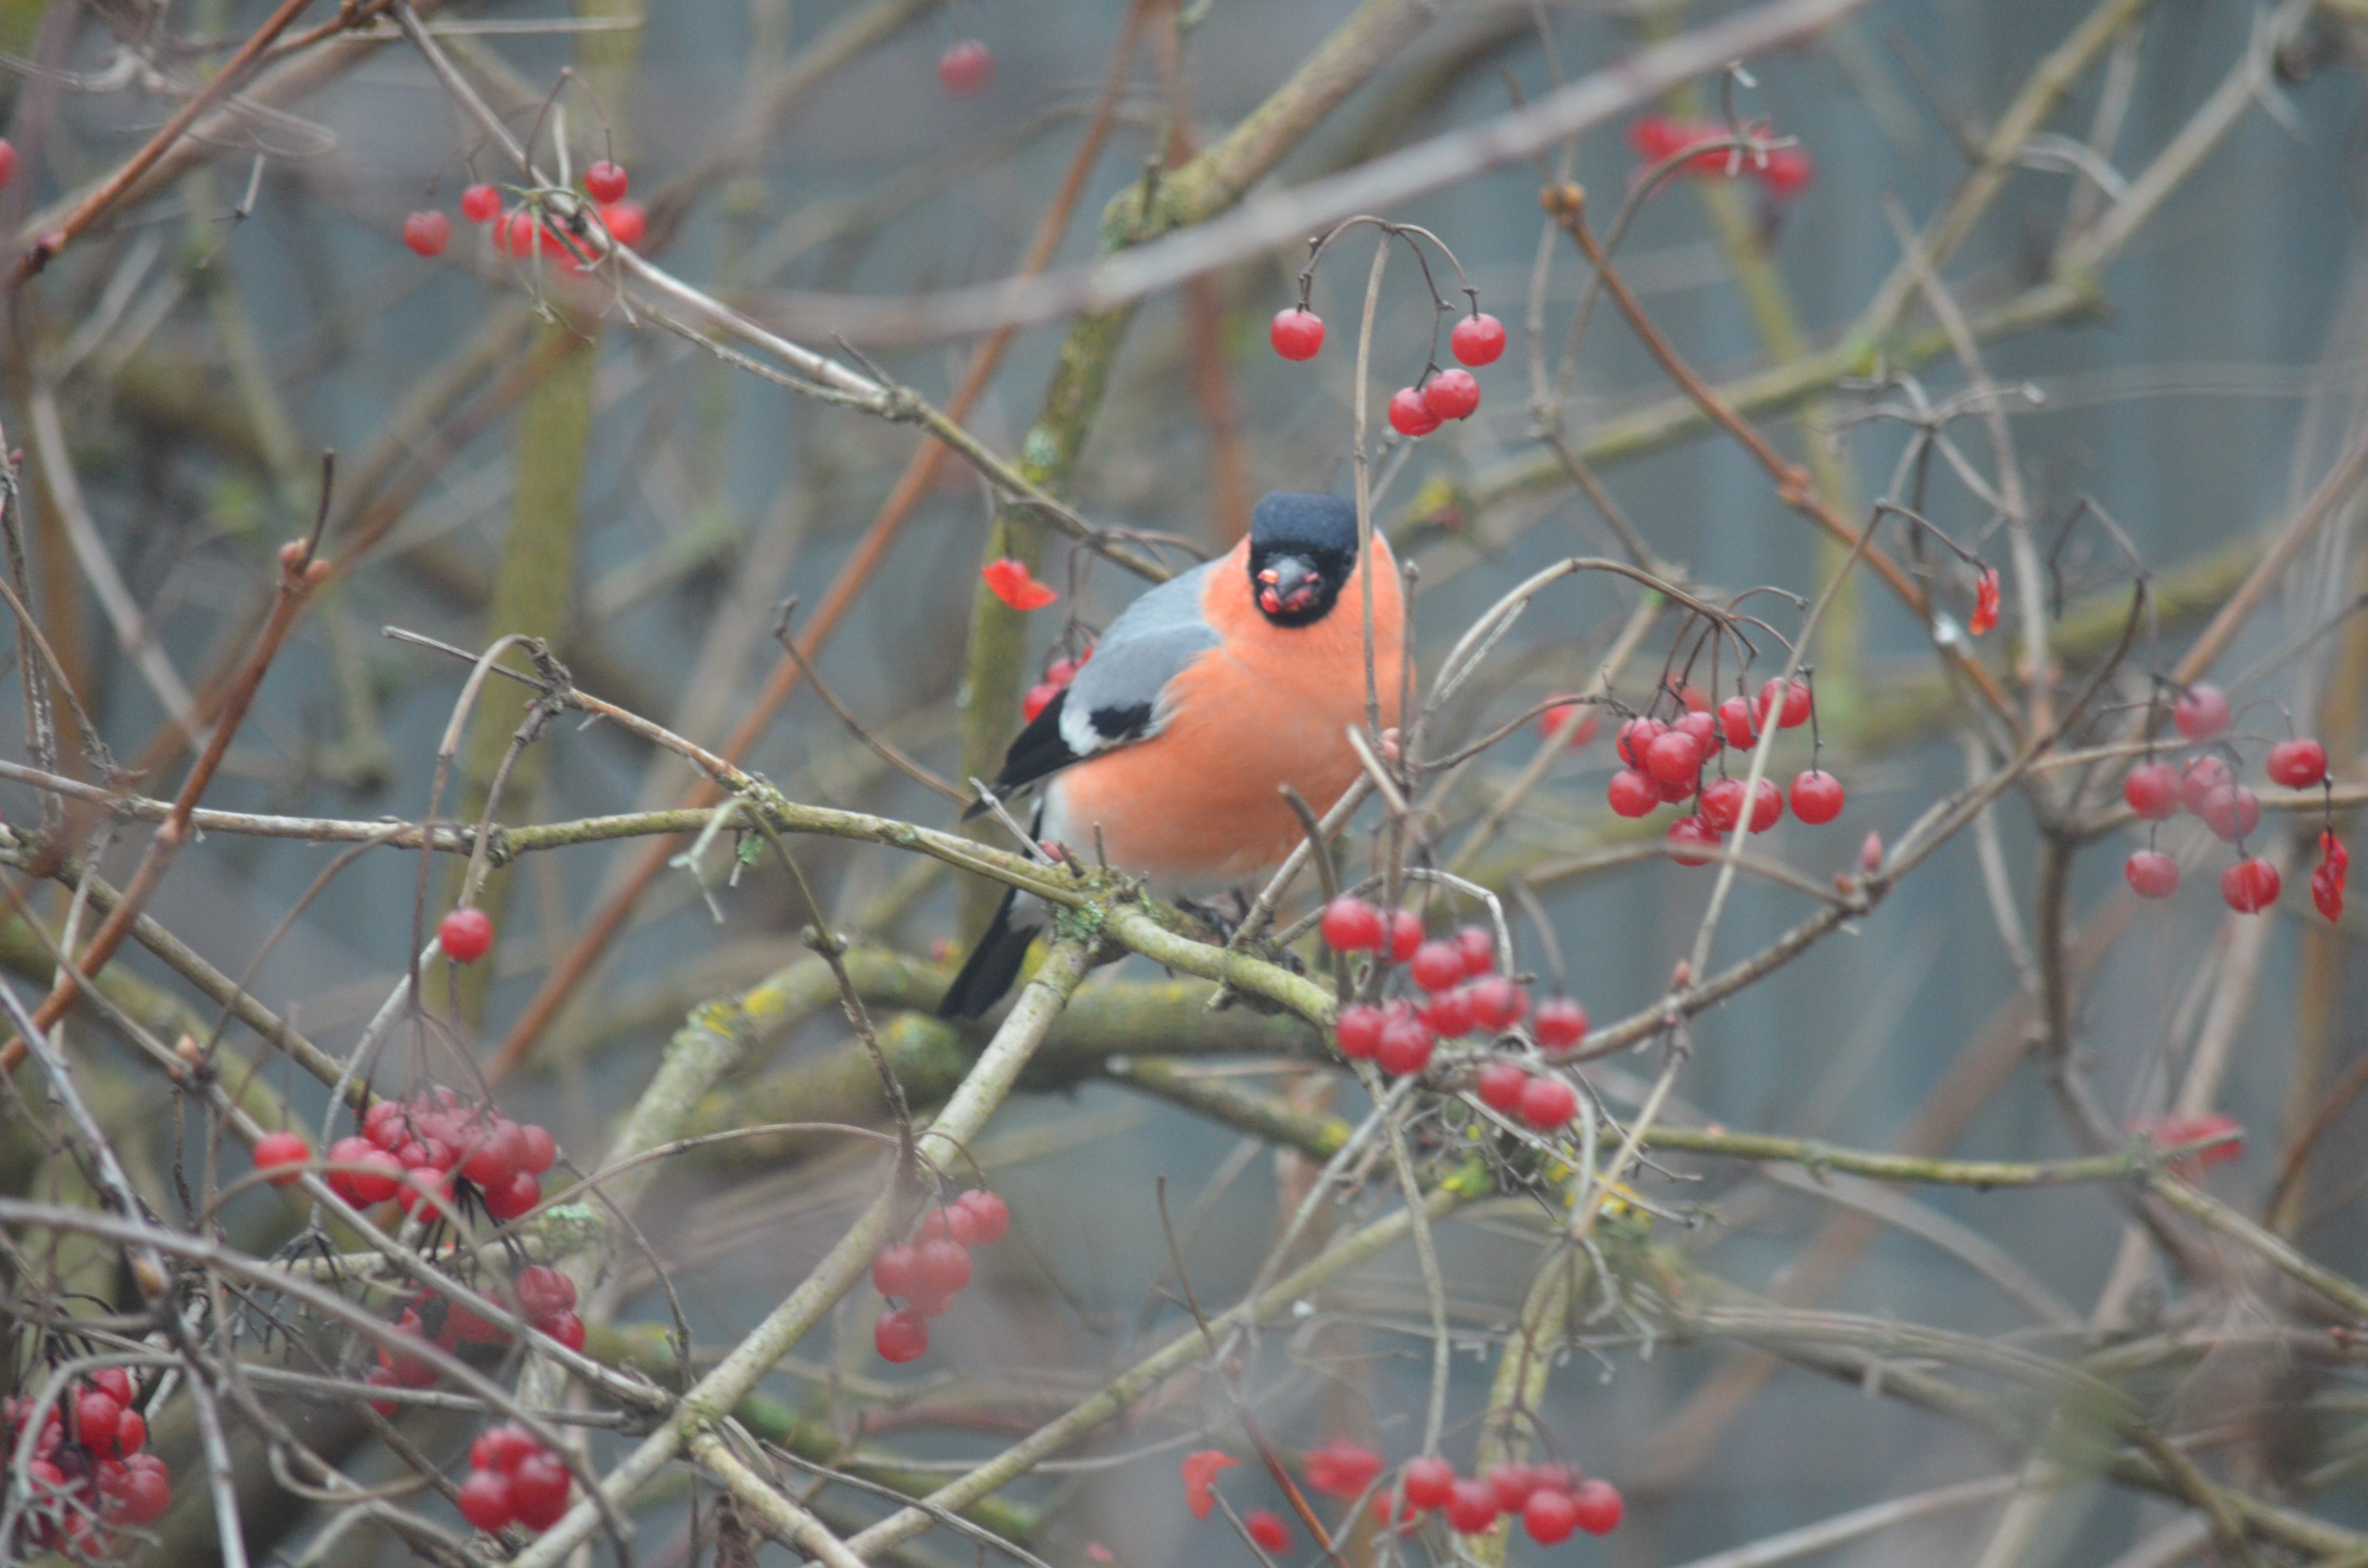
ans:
(1204, 699)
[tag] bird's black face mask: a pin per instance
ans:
(1302, 550)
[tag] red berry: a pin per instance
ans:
(1429, 1482)
(2200, 777)
(1449, 1013)
(517, 1196)
(468, 1328)
(1672, 794)
(2152, 874)
(990, 1215)
(893, 1271)
(1409, 414)
(1797, 703)
(1598, 1506)
(1561, 1023)
(2231, 812)
(2326, 891)
(7, 162)
(1985, 603)
(2297, 765)
(543, 1292)
(1548, 1102)
(1551, 1516)
(147, 1494)
(566, 1328)
(2201, 712)
(1497, 1003)
(1553, 718)
(130, 1433)
(1039, 697)
(1452, 394)
(1512, 1484)
(1635, 738)
(1437, 966)
(1405, 1046)
(1479, 339)
(628, 222)
(1817, 797)
(1406, 934)
(1633, 794)
(283, 1153)
(1500, 1087)
(1692, 842)
(427, 233)
(97, 1416)
(537, 1151)
(1351, 925)
(952, 1223)
(1341, 1469)
(1736, 722)
(538, 1490)
(485, 1500)
(1359, 1032)
(465, 934)
(1703, 728)
(1767, 806)
(1478, 946)
(115, 1382)
(492, 1155)
(940, 1267)
(479, 203)
(1297, 332)
(965, 66)
(362, 1186)
(2152, 790)
(501, 1448)
(2333, 854)
(606, 181)
(2249, 886)
(1270, 1533)
(1787, 173)
(901, 1336)
(1675, 757)
(1721, 804)
(1472, 1508)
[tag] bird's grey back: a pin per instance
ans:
(1116, 696)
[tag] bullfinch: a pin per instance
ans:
(1204, 699)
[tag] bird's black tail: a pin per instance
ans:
(992, 966)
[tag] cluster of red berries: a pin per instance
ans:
(1439, 395)
(2206, 787)
(1782, 171)
(513, 1480)
(1666, 762)
(435, 1146)
(88, 1472)
(926, 1272)
(545, 1298)
(965, 67)
(428, 230)
(1552, 1500)
(1057, 675)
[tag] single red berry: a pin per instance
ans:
(1548, 1102)
(7, 162)
(1633, 794)
(1405, 1046)
(1797, 703)
(1561, 1023)
(628, 222)
(485, 1500)
(1039, 697)
(2231, 812)
(1817, 797)
(492, 1159)
(1342, 1469)
(501, 1447)
(284, 1154)
(1430, 1481)
(1409, 414)
(427, 233)
(1267, 1530)
(480, 203)
(1675, 758)
(2331, 851)
(147, 1493)
(991, 1215)
(2151, 874)
(2249, 886)
(1551, 720)
(2152, 790)
(1703, 728)
(1737, 723)
(2327, 892)
(901, 1336)
(97, 1416)
(567, 1329)
(517, 1196)
(1598, 1506)
(1478, 946)
(1551, 1515)
(543, 1292)
(1985, 603)
(2202, 712)
(2200, 777)
(965, 66)
(465, 935)
(538, 1490)
(1512, 1484)
(1500, 1086)
(537, 1151)
(1497, 1003)
(372, 1176)
(1297, 332)
(606, 181)
(1635, 739)
(1437, 966)
(2297, 765)
(1406, 934)
(893, 1271)
(1693, 841)
(1479, 339)
(1449, 1012)
(1351, 925)
(952, 1223)
(1767, 806)
(1452, 394)
(1472, 1508)
(940, 1267)
(1359, 1032)
(130, 1434)
(1721, 804)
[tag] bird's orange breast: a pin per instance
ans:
(1200, 805)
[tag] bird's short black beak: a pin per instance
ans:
(1288, 583)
